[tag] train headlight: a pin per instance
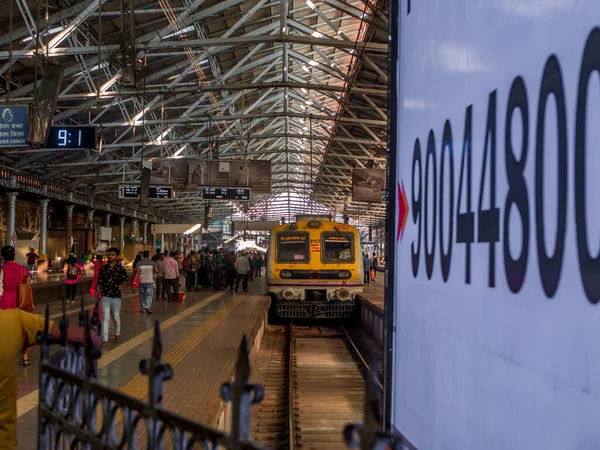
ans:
(288, 294)
(343, 294)
(344, 274)
(285, 274)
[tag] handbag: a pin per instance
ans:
(24, 293)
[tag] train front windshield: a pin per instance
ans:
(292, 247)
(338, 248)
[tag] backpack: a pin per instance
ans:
(72, 272)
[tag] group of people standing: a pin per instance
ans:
(370, 264)
(217, 268)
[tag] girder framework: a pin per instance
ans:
(301, 83)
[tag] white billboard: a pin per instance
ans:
(497, 273)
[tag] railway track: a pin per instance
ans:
(326, 387)
(314, 386)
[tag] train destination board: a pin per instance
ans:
(154, 192)
(218, 193)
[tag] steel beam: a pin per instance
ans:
(241, 41)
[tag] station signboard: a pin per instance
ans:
(227, 193)
(495, 276)
(154, 192)
(14, 126)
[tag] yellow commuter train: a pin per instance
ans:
(314, 268)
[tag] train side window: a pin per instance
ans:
(337, 247)
(292, 247)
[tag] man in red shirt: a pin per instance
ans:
(32, 258)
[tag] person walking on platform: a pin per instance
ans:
(32, 258)
(161, 287)
(135, 281)
(18, 330)
(367, 269)
(251, 272)
(230, 271)
(191, 271)
(146, 269)
(374, 267)
(156, 257)
(112, 279)
(216, 263)
(172, 277)
(258, 264)
(98, 263)
(13, 274)
(74, 274)
(242, 267)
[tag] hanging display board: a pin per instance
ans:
(154, 192)
(72, 137)
(190, 174)
(14, 126)
(367, 185)
(216, 193)
(495, 282)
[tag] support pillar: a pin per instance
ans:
(44, 227)
(90, 230)
(136, 230)
(162, 242)
(70, 209)
(12, 215)
(108, 215)
(145, 234)
(122, 234)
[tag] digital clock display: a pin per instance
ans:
(218, 193)
(154, 192)
(72, 137)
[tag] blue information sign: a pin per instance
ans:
(14, 125)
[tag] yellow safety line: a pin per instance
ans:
(138, 386)
(30, 401)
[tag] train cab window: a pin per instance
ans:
(338, 248)
(292, 247)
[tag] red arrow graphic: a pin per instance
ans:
(402, 211)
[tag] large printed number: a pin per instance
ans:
(465, 222)
(62, 138)
(514, 269)
(430, 174)
(416, 206)
(550, 249)
(447, 153)
(550, 265)
(589, 266)
(488, 221)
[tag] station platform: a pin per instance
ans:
(200, 338)
(373, 294)
(370, 302)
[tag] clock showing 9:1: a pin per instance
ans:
(72, 137)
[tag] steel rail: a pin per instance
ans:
(358, 355)
(291, 418)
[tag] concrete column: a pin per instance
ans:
(136, 229)
(108, 215)
(145, 234)
(70, 209)
(90, 229)
(162, 242)
(122, 233)
(12, 215)
(44, 227)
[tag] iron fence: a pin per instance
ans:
(76, 412)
